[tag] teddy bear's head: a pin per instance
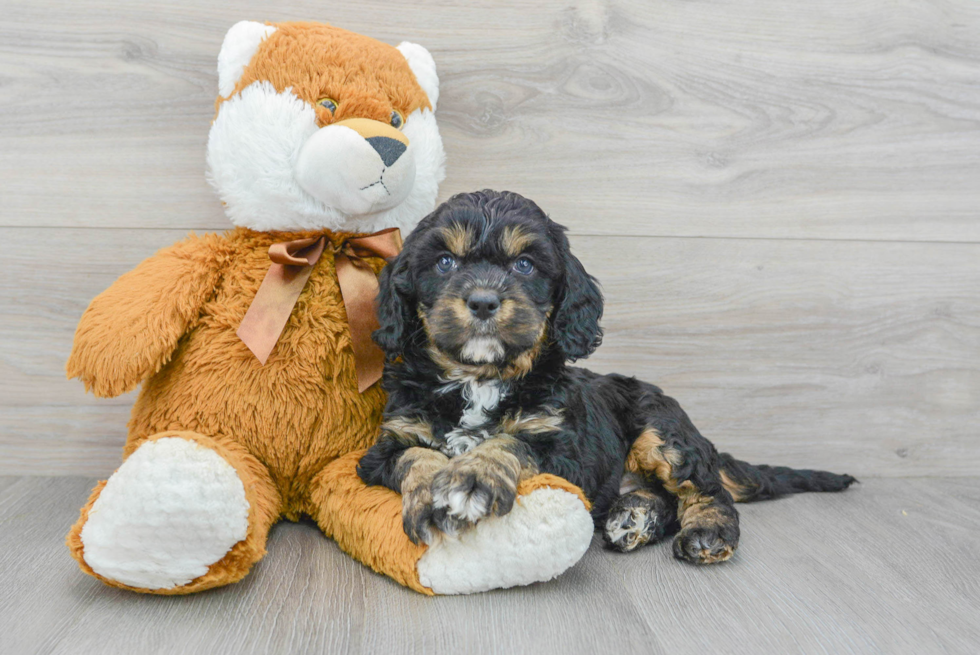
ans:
(321, 128)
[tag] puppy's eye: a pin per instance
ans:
(524, 266)
(396, 120)
(445, 264)
(329, 104)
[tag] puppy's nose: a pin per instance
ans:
(483, 304)
(389, 149)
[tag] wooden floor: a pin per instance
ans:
(781, 199)
(889, 567)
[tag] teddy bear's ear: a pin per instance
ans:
(240, 45)
(424, 67)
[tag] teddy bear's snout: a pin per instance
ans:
(358, 165)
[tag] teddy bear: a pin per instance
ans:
(259, 389)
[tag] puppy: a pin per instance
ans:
(480, 315)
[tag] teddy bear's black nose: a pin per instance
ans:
(389, 149)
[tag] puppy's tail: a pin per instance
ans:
(747, 483)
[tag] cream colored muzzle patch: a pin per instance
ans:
(358, 165)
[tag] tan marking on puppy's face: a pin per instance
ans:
(483, 307)
(454, 370)
(447, 320)
(514, 239)
(458, 239)
(450, 328)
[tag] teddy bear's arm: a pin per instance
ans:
(131, 329)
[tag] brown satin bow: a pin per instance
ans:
(292, 264)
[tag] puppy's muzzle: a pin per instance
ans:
(483, 303)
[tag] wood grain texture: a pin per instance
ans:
(852, 356)
(887, 567)
(830, 151)
(781, 199)
(837, 119)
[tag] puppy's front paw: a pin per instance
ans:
(636, 519)
(706, 545)
(473, 486)
(417, 515)
(449, 524)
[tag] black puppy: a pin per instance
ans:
(479, 315)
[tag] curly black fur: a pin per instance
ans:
(621, 440)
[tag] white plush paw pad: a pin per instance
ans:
(172, 509)
(546, 533)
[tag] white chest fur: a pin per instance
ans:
(482, 397)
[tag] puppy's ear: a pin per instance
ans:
(395, 303)
(575, 318)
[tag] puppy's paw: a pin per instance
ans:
(417, 516)
(706, 544)
(448, 524)
(636, 519)
(461, 441)
(475, 485)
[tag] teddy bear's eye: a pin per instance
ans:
(327, 103)
(396, 120)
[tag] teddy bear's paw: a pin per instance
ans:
(547, 531)
(165, 516)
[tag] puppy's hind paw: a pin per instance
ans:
(706, 545)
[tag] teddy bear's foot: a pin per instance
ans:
(547, 531)
(174, 518)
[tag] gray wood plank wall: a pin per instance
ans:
(782, 199)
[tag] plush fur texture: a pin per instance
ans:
(171, 324)
(172, 509)
(220, 447)
(262, 498)
(280, 160)
(550, 513)
(492, 268)
(241, 43)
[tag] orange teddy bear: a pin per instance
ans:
(320, 137)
